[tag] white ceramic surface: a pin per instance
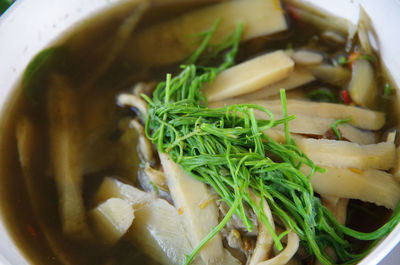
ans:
(29, 25)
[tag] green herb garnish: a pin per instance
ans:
(322, 95)
(4, 5)
(206, 142)
(342, 60)
(336, 130)
(35, 77)
(388, 90)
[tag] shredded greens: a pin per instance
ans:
(323, 95)
(227, 149)
(335, 129)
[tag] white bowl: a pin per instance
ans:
(30, 25)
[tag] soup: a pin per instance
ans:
(99, 145)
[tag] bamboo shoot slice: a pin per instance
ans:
(112, 188)
(372, 185)
(250, 76)
(304, 57)
(112, 219)
(308, 125)
(362, 118)
(362, 86)
(296, 78)
(344, 154)
(66, 148)
(188, 194)
(259, 17)
(28, 145)
(335, 75)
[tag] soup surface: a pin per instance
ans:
(68, 118)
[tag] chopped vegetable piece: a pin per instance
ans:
(388, 90)
(344, 183)
(34, 79)
(362, 87)
(343, 154)
(187, 194)
(346, 97)
(335, 75)
(112, 219)
(322, 95)
(304, 57)
(250, 76)
(336, 123)
(296, 79)
(4, 5)
(259, 18)
(66, 146)
(362, 118)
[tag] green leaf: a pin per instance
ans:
(4, 5)
(34, 80)
(323, 95)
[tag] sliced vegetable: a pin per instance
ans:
(335, 75)
(304, 57)
(344, 183)
(35, 78)
(250, 76)
(362, 87)
(188, 194)
(323, 95)
(296, 79)
(336, 123)
(388, 91)
(66, 147)
(362, 118)
(343, 154)
(112, 219)
(259, 17)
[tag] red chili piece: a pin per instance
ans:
(346, 97)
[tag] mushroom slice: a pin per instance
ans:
(144, 144)
(285, 255)
(265, 241)
(133, 101)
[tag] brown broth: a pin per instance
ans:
(78, 66)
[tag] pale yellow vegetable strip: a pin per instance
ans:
(112, 219)
(66, 148)
(287, 254)
(259, 17)
(362, 87)
(396, 169)
(296, 78)
(343, 154)
(371, 185)
(362, 118)
(250, 76)
(27, 146)
(335, 75)
(308, 125)
(264, 243)
(187, 194)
